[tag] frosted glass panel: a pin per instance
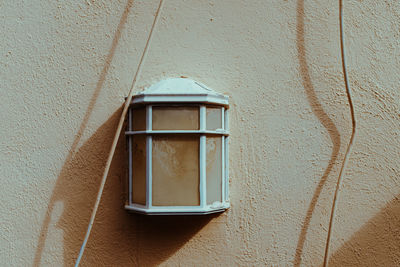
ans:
(139, 119)
(214, 169)
(176, 170)
(214, 118)
(175, 118)
(139, 169)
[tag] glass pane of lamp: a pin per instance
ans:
(175, 169)
(139, 119)
(139, 169)
(213, 118)
(175, 118)
(214, 168)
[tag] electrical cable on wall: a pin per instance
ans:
(117, 134)
(353, 133)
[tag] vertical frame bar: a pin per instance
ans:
(202, 158)
(223, 117)
(149, 118)
(149, 157)
(226, 152)
(130, 157)
(223, 169)
(223, 157)
(203, 118)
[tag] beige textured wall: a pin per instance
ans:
(65, 67)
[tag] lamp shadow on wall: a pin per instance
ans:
(377, 243)
(324, 119)
(118, 238)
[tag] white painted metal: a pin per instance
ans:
(218, 131)
(223, 169)
(203, 118)
(223, 117)
(180, 99)
(149, 153)
(182, 92)
(223, 183)
(172, 210)
(226, 176)
(130, 157)
(203, 160)
(226, 121)
(149, 118)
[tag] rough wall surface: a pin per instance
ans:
(65, 67)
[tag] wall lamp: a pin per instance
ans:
(177, 135)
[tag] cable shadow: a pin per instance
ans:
(377, 243)
(324, 119)
(55, 195)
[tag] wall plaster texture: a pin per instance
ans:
(65, 67)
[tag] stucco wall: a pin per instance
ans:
(65, 67)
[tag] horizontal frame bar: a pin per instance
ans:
(178, 104)
(178, 98)
(226, 133)
(177, 210)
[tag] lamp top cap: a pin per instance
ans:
(180, 90)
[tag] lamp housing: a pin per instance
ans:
(177, 135)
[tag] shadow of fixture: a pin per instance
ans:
(324, 119)
(159, 237)
(377, 243)
(118, 238)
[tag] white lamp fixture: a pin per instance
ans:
(178, 149)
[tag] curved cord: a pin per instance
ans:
(353, 133)
(116, 137)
